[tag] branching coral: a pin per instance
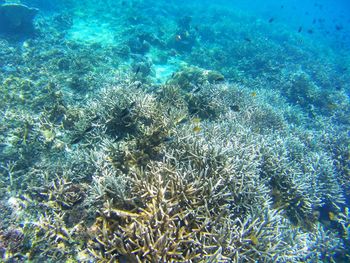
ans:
(171, 184)
(196, 169)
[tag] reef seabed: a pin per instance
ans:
(103, 161)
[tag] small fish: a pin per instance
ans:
(338, 27)
(254, 239)
(126, 111)
(331, 216)
(300, 29)
(139, 84)
(196, 89)
(196, 120)
(88, 129)
(168, 139)
(197, 129)
(137, 70)
(248, 39)
(271, 20)
(253, 94)
(178, 38)
(235, 108)
(180, 119)
(332, 106)
(76, 139)
(310, 31)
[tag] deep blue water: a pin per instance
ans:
(326, 20)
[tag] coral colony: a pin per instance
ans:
(131, 134)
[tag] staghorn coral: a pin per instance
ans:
(172, 222)
(288, 195)
(229, 172)
(11, 244)
(165, 191)
(324, 246)
(201, 179)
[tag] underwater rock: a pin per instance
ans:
(138, 45)
(17, 19)
(122, 51)
(63, 64)
(142, 69)
(185, 37)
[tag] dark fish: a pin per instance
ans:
(248, 39)
(95, 118)
(138, 84)
(168, 139)
(338, 27)
(76, 139)
(314, 21)
(310, 31)
(282, 6)
(235, 108)
(88, 129)
(300, 29)
(137, 70)
(196, 89)
(271, 20)
(79, 137)
(126, 112)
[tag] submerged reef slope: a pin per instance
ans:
(226, 157)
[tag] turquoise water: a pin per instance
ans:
(174, 131)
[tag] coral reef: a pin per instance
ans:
(239, 156)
